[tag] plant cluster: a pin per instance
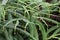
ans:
(29, 20)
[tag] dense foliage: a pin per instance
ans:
(29, 20)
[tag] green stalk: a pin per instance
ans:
(43, 31)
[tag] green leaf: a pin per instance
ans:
(33, 31)
(42, 29)
(51, 29)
